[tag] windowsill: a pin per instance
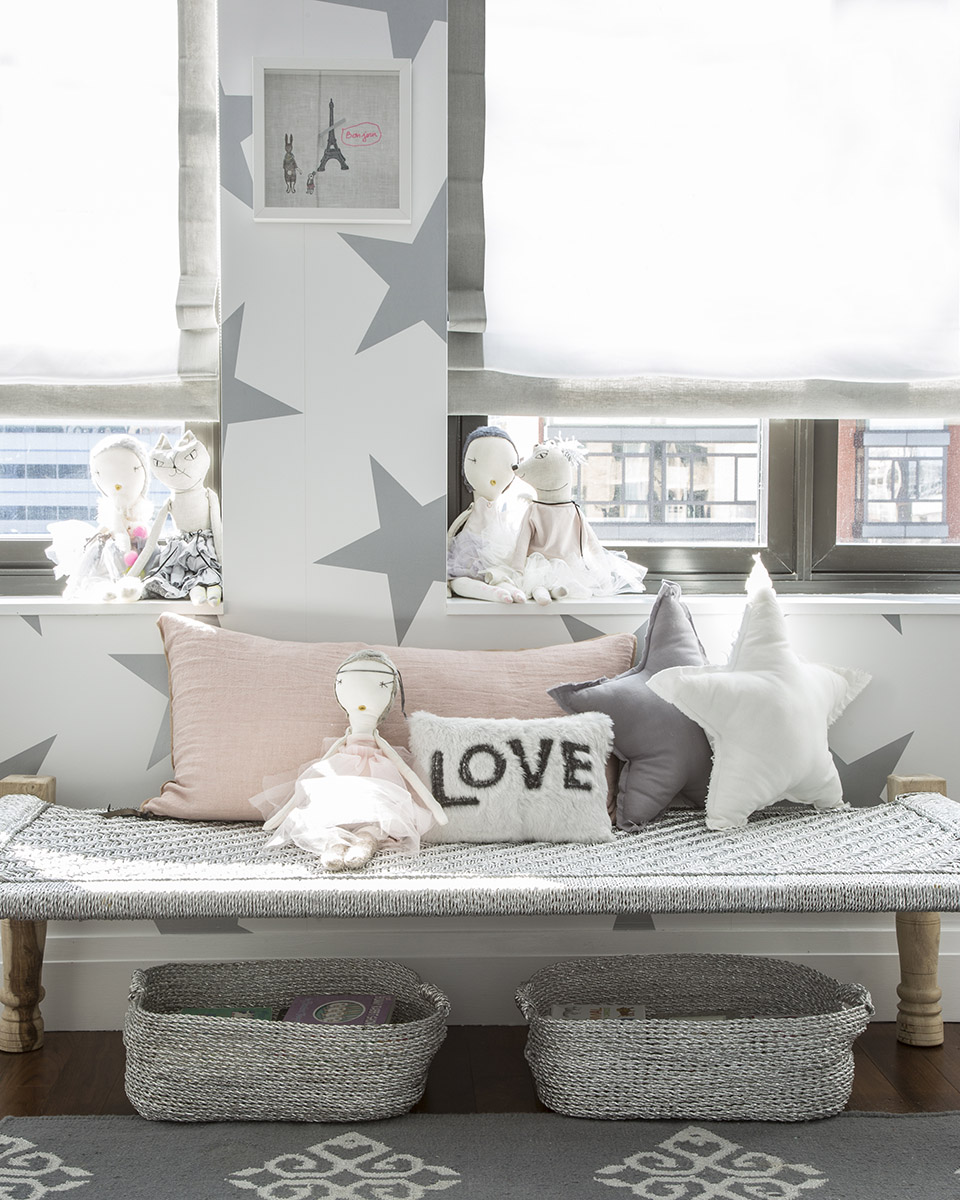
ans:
(717, 605)
(613, 606)
(49, 606)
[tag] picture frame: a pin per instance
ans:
(332, 140)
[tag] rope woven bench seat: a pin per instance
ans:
(58, 863)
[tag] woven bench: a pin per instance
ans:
(59, 863)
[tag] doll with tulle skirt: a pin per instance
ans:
(362, 795)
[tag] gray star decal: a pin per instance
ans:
(580, 631)
(410, 21)
(152, 669)
(33, 622)
(864, 780)
(894, 619)
(407, 548)
(412, 270)
(240, 401)
(27, 762)
(236, 125)
(199, 925)
(634, 921)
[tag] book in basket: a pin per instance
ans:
(598, 1012)
(347, 1009)
(259, 1011)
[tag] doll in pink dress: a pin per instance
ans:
(557, 554)
(362, 795)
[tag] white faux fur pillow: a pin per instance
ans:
(540, 780)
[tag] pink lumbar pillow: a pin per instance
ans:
(245, 708)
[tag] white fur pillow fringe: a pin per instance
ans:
(541, 780)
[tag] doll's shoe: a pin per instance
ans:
(124, 590)
(541, 595)
(129, 590)
(332, 859)
(211, 596)
(359, 854)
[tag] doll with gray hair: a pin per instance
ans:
(95, 559)
(362, 795)
(481, 539)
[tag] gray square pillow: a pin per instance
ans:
(666, 756)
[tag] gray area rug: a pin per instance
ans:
(514, 1156)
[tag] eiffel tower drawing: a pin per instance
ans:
(333, 147)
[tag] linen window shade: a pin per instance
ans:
(773, 229)
(466, 313)
(178, 377)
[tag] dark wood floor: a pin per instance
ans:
(480, 1068)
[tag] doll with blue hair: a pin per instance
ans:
(481, 540)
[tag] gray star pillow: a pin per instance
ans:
(666, 756)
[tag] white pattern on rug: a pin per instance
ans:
(27, 1173)
(695, 1164)
(350, 1166)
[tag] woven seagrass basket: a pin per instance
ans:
(197, 1068)
(786, 1056)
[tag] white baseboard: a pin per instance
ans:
(478, 962)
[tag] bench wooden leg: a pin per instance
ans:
(21, 1025)
(21, 942)
(919, 1017)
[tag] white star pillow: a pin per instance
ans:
(765, 714)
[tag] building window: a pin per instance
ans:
(894, 482)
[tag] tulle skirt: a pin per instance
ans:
(472, 555)
(605, 574)
(91, 560)
(334, 809)
(184, 562)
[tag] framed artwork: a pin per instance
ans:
(331, 140)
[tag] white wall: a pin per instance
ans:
(301, 486)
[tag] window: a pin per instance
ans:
(893, 483)
(662, 481)
(755, 227)
(110, 247)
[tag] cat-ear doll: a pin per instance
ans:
(189, 562)
(557, 554)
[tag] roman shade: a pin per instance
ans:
(176, 376)
(707, 210)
